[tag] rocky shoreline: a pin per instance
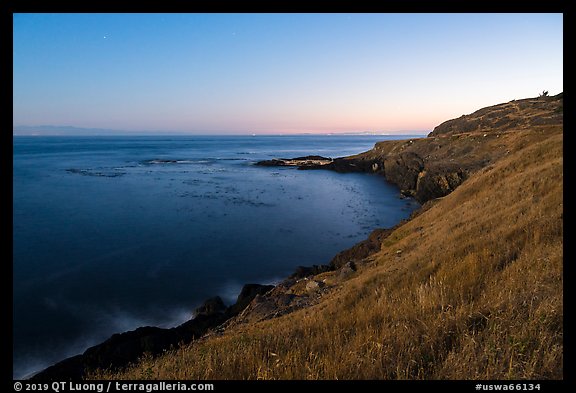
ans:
(432, 167)
(256, 302)
(125, 348)
(305, 287)
(307, 162)
(426, 169)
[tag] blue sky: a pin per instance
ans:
(277, 73)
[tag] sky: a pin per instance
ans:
(277, 73)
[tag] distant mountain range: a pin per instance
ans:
(77, 131)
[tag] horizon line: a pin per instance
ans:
(135, 134)
(50, 130)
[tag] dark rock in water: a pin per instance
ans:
(212, 306)
(307, 162)
(273, 162)
(125, 348)
(160, 161)
(96, 172)
(319, 158)
(306, 271)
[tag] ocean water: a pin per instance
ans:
(113, 233)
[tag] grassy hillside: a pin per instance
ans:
(469, 288)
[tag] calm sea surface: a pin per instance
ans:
(112, 233)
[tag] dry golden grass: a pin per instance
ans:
(475, 293)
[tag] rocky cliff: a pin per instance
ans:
(433, 167)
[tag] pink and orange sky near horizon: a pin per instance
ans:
(277, 73)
